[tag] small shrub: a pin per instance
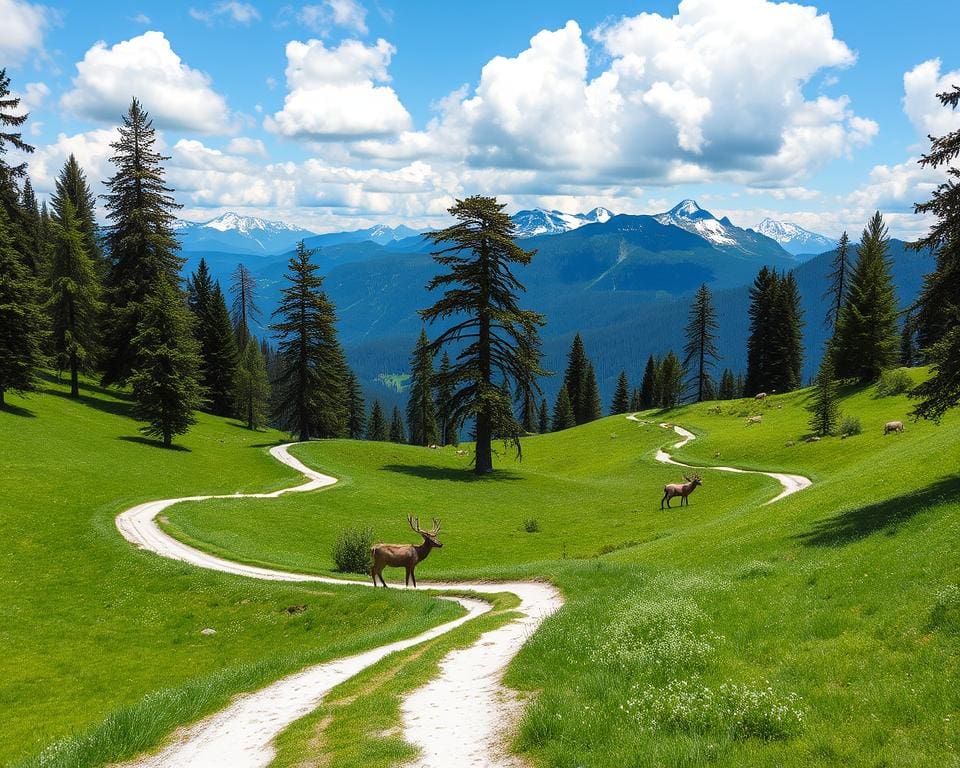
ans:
(894, 382)
(531, 525)
(945, 615)
(351, 550)
(850, 426)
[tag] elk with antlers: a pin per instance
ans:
(680, 489)
(404, 555)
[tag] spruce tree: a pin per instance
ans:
(481, 293)
(728, 386)
(636, 400)
(590, 397)
(377, 426)
(648, 385)
(35, 251)
(72, 185)
(74, 298)
(396, 427)
(166, 370)
(671, 381)
(543, 418)
(824, 409)
(838, 280)
(421, 411)
(22, 325)
(621, 396)
(563, 417)
(528, 414)
(575, 378)
(701, 347)
(785, 344)
(866, 338)
(356, 409)
(938, 307)
(444, 401)
(760, 342)
(213, 330)
(311, 386)
(251, 385)
(140, 241)
(10, 199)
(245, 310)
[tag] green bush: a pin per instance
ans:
(351, 550)
(894, 382)
(850, 426)
(531, 525)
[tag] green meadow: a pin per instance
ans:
(102, 647)
(821, 630)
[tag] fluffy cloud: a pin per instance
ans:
(92, 150)
(22, 30)
(241, 13)
(245, 146)
(334, 93)
(921, 86)
(321, 18)
(712, 93)
(175, 95)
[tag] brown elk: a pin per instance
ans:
(680, 489)
(404, 555)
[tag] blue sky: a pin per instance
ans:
(343, 113)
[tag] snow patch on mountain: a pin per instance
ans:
(689, 216)
(537, 221)
(794, 238)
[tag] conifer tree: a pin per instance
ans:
(786, 337)
(543, 418)
(866, 338)
(35, 251)
(636, 400)
(908, 352)
(481, 294)
(22, 325)
(166, 370)
(621, 396)
(648, 385)
(9, 192)
(760, 342)
(938, 307)
(251, 385)
(312, 385)
(671, 381)
(728, 386)
(245, 310)
(824, 410)
(74, 298)
(356, 409)
(72, 185)
(377, 426)
(396, 427)
(838, 280)
(563, 417)
(590, 397)
(528, 414)
(444, 401)
(213, 329)
(701, 347)
(421, 411)
(140, 241)
(575, 378)
(740, 389)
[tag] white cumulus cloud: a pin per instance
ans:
(146, 67)
(921, 86)
(22, 26)
(321, 18)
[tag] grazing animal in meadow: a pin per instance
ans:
(754, 420)
(760, 396)
(404, 555)
(683, 490)
(892, 426)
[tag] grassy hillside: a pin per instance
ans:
(822, 630)
(101, 643)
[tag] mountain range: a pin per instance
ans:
(794, 238)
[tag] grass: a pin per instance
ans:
(822, 630)
(102, 647)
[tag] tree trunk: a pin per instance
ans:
(249, 413)
(483, 464)
(2, 392)
(167, 438)
(74, 381)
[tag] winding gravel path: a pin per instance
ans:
(467, 697)
(789, 483)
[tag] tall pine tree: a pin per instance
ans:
(421, 410)
(671, 381)
(621, 396)
(838, 279)
(251, 385)
(10, 199)
(701, 347)
(74, 297)
(528, 414)
(72, 185)
(866, 339)
(166, 370)
(245, 309)
(563, 417)
(543, 418)
(311, 386)
(728, 386)
(590, 397)
(824, 410)
(481, 292)
(648, 385)
(575, 377)
(786, 337)
(377, 425)
(213, 330)
(396, 427)
(140, 241)
(760, 343)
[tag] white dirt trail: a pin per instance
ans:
(467, 697)
(790, 484)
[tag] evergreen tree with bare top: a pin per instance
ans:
(496, 338)
(421, 409)
(245, 310)
(701, 347)
(838, 280)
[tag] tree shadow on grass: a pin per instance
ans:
(152, 443)
(428, 472)
(880, 517)
(113, 407)
(16, 410)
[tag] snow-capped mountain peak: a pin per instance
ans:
(235, 233)
(689, 216)
(231, 221)
(688, 209)
(537, 221)
(794, 238)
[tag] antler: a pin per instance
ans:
(436, 527)
(414, 522)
